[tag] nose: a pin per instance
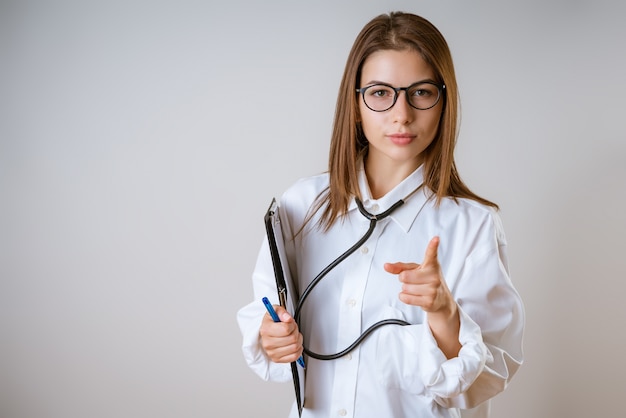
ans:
(402, 110)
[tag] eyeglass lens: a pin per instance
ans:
(380, 97)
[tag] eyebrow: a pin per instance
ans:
(426, 80)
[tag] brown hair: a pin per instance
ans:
(394, 31)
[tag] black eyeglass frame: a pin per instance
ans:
(440, 89)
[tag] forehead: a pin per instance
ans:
(396, 67)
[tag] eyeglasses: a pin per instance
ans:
(421, 95)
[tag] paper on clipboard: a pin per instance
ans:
(287, 292)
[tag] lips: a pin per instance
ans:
(401, 138)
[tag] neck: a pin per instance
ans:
(382, 178)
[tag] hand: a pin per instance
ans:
(423, 284)
(281, 341)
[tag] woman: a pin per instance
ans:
(435, 265)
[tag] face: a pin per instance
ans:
(398, 136)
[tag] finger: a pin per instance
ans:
(287, 344)
(283, 314)
(397, 268)
(283, 350)
(423, 288)
(288, 353)
(425, 302)
(430, 258)
(277, 329)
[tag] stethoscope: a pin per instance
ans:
(373, 220)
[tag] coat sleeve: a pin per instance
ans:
(492, 323)
(491, 331)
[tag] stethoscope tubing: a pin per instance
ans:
(307, 291)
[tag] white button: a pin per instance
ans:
(343, 412)
(364, 250)
(374, 208)
(351, 303)
(348, 356)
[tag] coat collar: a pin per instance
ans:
(405, 215)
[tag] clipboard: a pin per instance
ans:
(287, 292)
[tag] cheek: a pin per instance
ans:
(369, 128)
(432, 122)
(370, 121)
(434, 125)
(361, 111)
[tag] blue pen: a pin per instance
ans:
(275, 318)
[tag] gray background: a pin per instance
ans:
(141, 142)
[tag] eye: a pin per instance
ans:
(423, 95)
(380, 91)
(424, 91)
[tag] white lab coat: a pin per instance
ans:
(398, 371)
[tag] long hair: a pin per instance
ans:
(395, 31)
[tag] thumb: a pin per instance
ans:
(283, 314)
(430, 258)
(397, 268)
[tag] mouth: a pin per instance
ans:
(401, 138)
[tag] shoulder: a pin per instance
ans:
(300, 196)
(473, 215)
(305, 189)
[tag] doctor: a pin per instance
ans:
(436, 262)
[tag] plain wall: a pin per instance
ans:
(142, 141)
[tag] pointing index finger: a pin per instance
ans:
(431, 252)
